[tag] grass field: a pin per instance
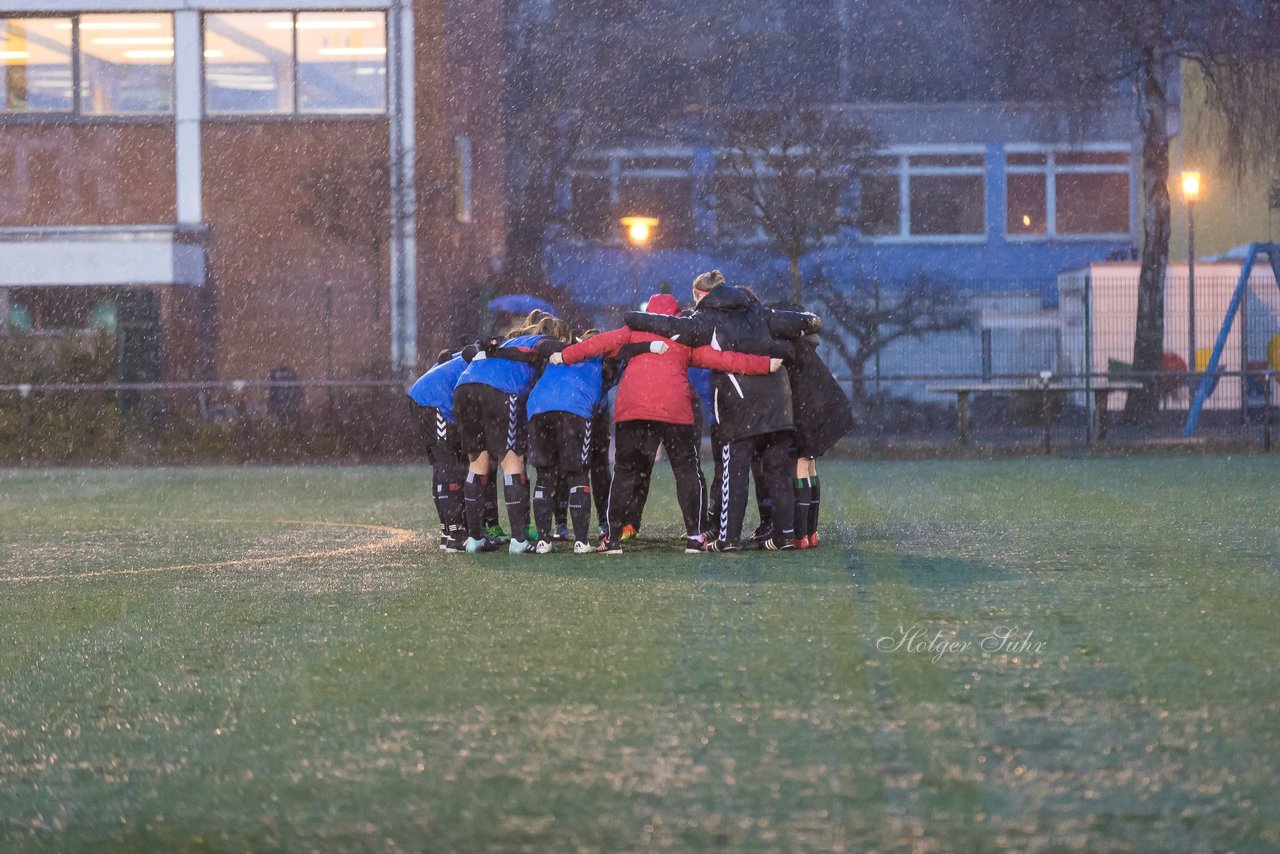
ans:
(232, 659)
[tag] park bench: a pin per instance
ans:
(1045, 385)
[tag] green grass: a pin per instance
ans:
(403, 699)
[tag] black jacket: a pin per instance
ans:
(823, 413)
(728, 319)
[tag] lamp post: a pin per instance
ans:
(639, 231)
(1191, 192)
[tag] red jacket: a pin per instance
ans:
(656, 387)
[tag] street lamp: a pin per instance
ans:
(639, 231)
(1191, 192)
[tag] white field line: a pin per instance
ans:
(398, 536)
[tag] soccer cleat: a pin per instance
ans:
(581, 548)
(813, 540)
(544, 547)
(609, 547)
(483, 544)
(454, 545)
(695, 545)
(723, 546)
(562, 532)
(774, 544)
(762, 532)
(495, 532)
(444, 542)
(630, 532)
(802, 543)
(520, 547)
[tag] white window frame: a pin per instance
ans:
(905, 171)
(1050, 170)
(295, 112)
(612, 159)
(76, 113)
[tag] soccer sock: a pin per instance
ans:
(515, 493)
(450, 506)
(580, 511)
(804, 497)
(543, 503)
(815, 494)
(473, 500)
(491, 499)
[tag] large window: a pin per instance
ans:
(947, 195)
(35, 55)
(305, 62)
(126, 64)
(924, 195)
(1068, 193)
(608, 186)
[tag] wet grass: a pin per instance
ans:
(394, 697)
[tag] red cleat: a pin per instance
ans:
(802, 543)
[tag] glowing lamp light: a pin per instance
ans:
(1026, 220)
(1191, 185)
(639, 228)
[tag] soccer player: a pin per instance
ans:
(654, 407)
(753, 413)
(489, 403)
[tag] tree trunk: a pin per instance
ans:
(797, 295)
(1148, 340)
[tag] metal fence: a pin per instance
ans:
(1034, 359)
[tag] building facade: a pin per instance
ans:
(241, 187)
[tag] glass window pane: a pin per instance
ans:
(126, 64)
(669, 200)
(947, 204)
(591, 216)
(1027, 159)
(1095, 203)
(35, 57)
(248, 63)
(342, 62)
(1027, 204)
(881, 205)
(1093, 158)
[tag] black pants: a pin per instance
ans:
(635, 444)
(733, 467)
(448, 470)
(598, 461)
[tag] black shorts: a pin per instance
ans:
(560, 440)
(490, 420)
(443, 443)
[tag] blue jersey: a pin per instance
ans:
(435, 387)
(505, 375)
(568, 388)
(700, 379)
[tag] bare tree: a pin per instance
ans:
(871, 320)
(1088, 50)
(783, 173)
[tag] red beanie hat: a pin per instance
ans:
(663, 304)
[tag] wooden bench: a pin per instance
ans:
(1045, 386)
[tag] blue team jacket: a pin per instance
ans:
(700, 379)
(568, 388)
(435, 387)
(504, 374)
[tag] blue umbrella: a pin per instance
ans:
(520, 304)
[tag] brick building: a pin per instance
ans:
(231, 187)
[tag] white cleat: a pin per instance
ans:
(581, 548)
(544, 547)
(520, 547)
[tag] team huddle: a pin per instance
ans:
(540, 397)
